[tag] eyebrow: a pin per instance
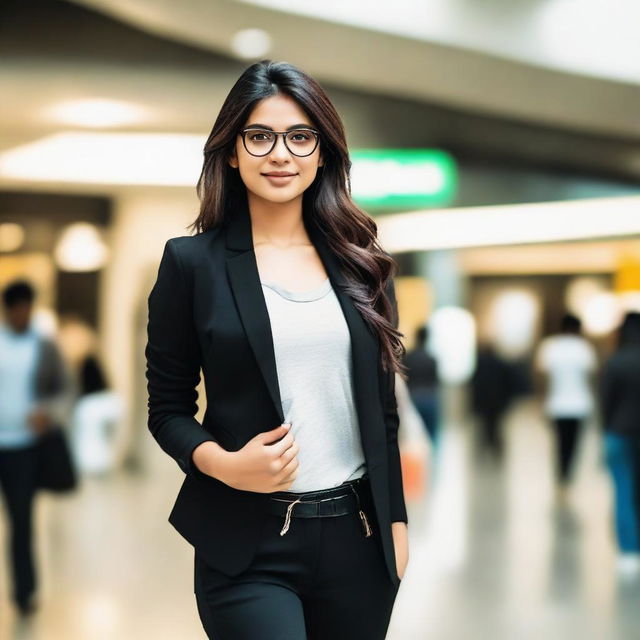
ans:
(257, 125)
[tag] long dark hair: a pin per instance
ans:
(350, 233)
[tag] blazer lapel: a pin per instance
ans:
(244, 280)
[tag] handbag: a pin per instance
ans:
(55, 467)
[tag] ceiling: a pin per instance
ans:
(590, 37)
(493, 60)
(175, 61)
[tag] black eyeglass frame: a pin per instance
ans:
(284, 135)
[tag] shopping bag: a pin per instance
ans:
(55, 469)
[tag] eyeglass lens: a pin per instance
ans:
(300, 142)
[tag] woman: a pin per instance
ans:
(620, 384)
(293, 493)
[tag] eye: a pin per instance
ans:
(259, 136)
(301, 135)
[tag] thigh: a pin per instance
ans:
(18, 482)
(246, 607)
(566, 430)
(620, 465)
(353, 595)
(560, 426)
(616, 451)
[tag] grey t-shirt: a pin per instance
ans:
(312, 346)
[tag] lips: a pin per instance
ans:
(278, 174)
(280, 179)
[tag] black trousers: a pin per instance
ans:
(18, 484)
(566, 431)
(490, 435)
(322, 580)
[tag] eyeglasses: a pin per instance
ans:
(300, 142)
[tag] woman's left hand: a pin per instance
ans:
(400, 534)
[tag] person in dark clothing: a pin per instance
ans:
(620, 405)
(35, 391)
(423, 382)
(92, 377)
(491, 386)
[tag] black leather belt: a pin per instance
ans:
(324, 503)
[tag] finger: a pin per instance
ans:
(278, 448)
(290, 453)
(288, 470)
(285, 485)
(275, 434)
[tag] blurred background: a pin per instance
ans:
(497, 145)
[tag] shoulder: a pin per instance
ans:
(48, 348)
(546, 343)
(622, 358)
(188, 249)
(587, 348)
(183, 245)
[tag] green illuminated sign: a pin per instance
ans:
(403, 178)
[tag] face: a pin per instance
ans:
(279, 112)
(18, 316)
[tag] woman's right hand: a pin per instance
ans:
(267, 463)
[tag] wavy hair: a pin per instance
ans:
(350, 232)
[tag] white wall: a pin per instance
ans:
(142, 222)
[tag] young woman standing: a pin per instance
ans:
(293, 496)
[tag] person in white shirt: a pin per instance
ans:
(568, 362)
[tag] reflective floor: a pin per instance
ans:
(493, 554)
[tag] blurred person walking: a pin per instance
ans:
(620, 405)
(96, 420)
(492, 389)
(416, 455)
(293, 496)
(35, 394)
(568, 364)
(422, 382)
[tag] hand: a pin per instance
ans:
(400, 534)
(267, 463)
(39, 421)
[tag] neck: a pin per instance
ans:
(277, 223)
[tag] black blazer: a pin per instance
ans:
(207, 310)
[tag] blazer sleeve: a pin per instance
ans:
(396, 491)
(173, 365)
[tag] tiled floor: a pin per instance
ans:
(492, 556)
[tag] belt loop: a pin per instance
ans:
(363, 516)
(287, 519)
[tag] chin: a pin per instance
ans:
(278, 195)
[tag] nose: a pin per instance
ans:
(280, 151)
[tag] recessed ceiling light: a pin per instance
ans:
(167, 159)
(81, 248)
(96, 112)
(11, 236)
(251, 43)
(528, 223)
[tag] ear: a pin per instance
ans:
(233, 160)
(321, 161)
